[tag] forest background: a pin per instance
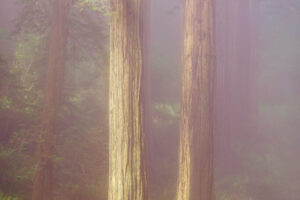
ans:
(257, 162)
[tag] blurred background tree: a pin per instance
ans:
(80, 152)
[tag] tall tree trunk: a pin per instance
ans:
(243, 70)
(236, 96)
(43, 180)
(226, 64)
(196, 139)
(127, 175)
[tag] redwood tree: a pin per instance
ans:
(127, 176)
(236, 77)
(43, 180)
(196, 139)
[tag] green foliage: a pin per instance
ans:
(80, 152)
(5, 102)
(165, 114)
(95, 5)
(6, 197)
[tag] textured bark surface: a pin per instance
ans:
(127, 176)
(196, 139)
(43, 183)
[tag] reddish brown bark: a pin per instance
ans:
(43, 180)
(127, 173)
(236, 79)
(195, 179)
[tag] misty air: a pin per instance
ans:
(149, 99)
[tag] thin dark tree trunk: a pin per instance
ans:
(243, 73)
(236, 105)
(226, 62)
(196, 139)
(43, 179)
(127, 173)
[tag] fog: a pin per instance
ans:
(256, 115)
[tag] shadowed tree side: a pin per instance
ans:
(195, 180)
(43, 179)
(127, 174)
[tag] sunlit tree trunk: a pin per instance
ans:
(43, 179)
(196, 139)
(127, 176)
